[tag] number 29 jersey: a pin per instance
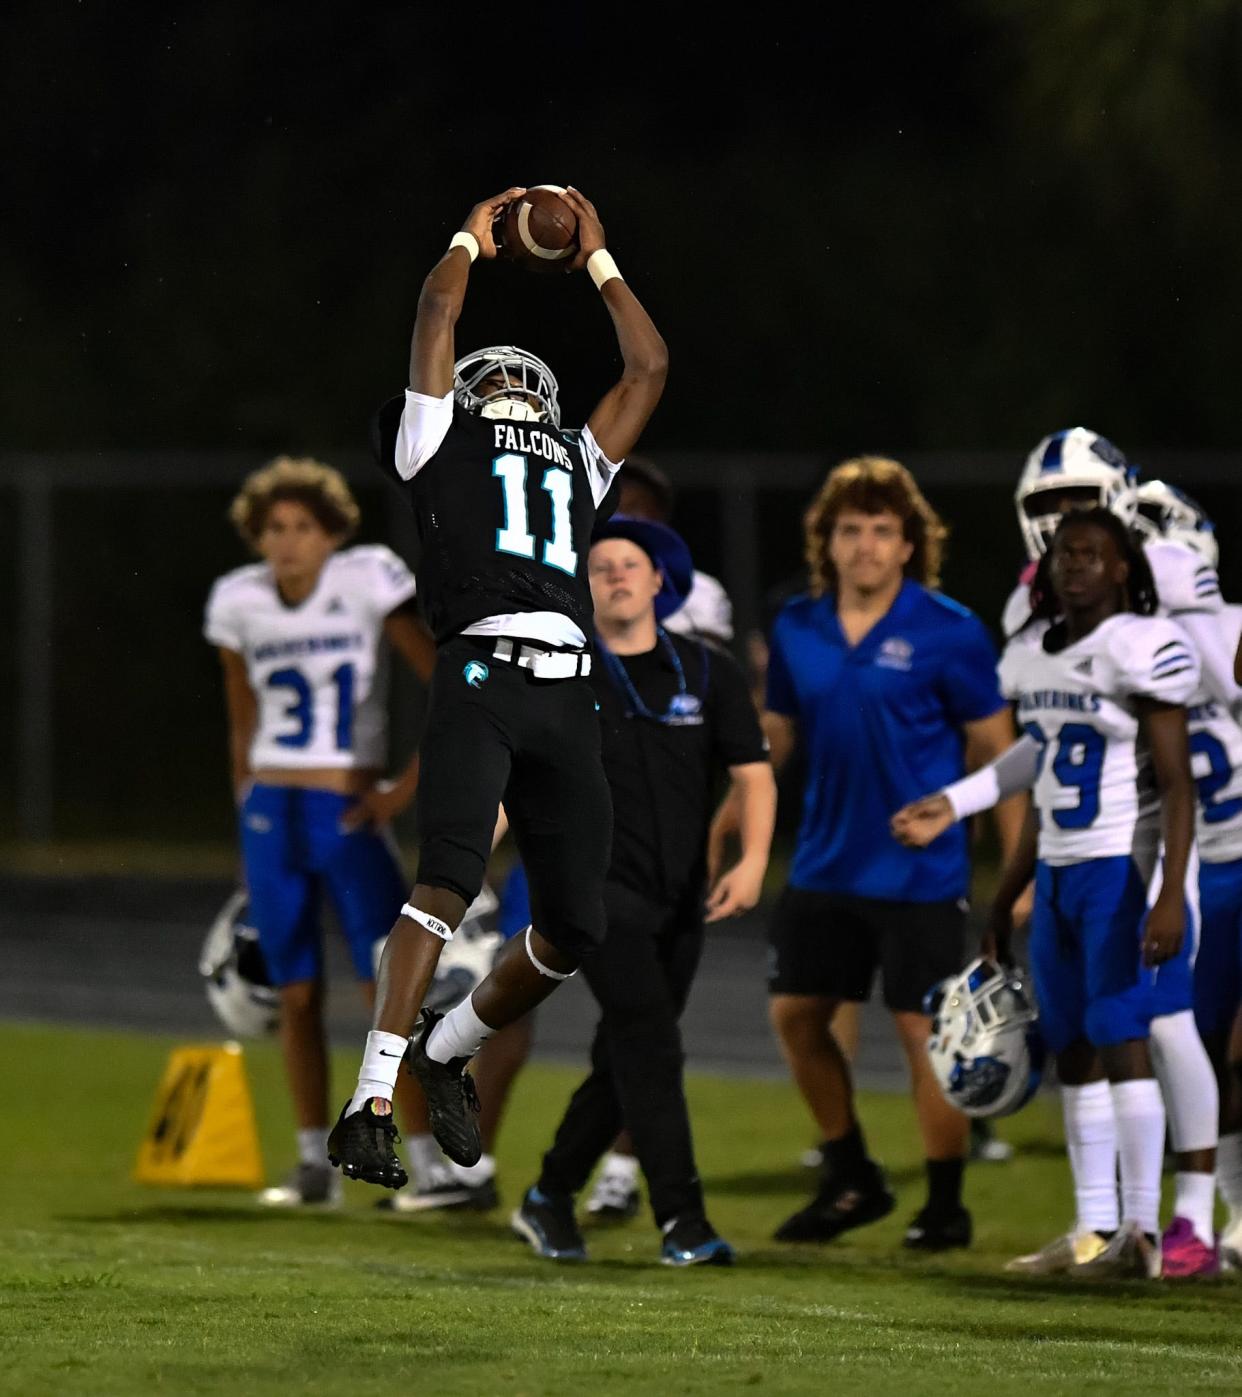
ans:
(319, 670)
(1216, 762)
(1095, 791)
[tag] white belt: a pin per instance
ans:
(543, 664)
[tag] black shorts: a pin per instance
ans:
(831, 943)
(501, 734)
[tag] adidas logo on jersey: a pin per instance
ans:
(1083, 666)
(336, 607)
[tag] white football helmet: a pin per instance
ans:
(525, 377)
(466, 959)
(232, 965)
(985, 1046)
(1072, 469)
(1165, 512)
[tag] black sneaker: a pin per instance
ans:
(939, 1229)
(452, 1101)
(693, 1241)
(361, 1146)
(308, 1186)
(547, 1222)
(839, 1206)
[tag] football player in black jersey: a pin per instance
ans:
(505, 500)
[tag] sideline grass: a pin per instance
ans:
(106, 1287)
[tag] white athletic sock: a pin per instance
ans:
(428, 1166)
(460, 1033)
(1091, 1140)
(313, 1145)
(1140, 1140)
(475, 1174)
(1194, 1197)
(1229, 1169)
(621, 1166)
(1187, 1082)
(380, 1064)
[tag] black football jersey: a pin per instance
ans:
(504, 513)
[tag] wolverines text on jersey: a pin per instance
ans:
(319, 670)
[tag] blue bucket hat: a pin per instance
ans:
(667, 550)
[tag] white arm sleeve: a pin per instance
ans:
(1011, 772)
(424, 425)
(1214, 641)
(600, 469)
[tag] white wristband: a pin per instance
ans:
(466, 240)
(602, 267)
(978, 791)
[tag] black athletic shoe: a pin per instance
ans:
(361, 1146)
(547, 1222)
(939, 1229)
(839, 1206)
(693, 1241)
(452, 1101)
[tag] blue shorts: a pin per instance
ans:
(1218, 970)
(1086, 956)
(515, 903)
(293, 846)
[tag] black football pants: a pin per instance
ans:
(641, 977)
(494, 732)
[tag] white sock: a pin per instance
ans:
(428, 1166)
(1194, 1198)
(1140, 1140)
(313, 1145)
(476, 1174)
(621, 1166)
(1187, 1082)
(1229, 1169)
(380, 1064)
(460, 1033)
(1091, 1140)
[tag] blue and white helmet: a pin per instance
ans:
(1076, 468)
(985, 1046)
(235, 973)
(525, 377)
(1164, 511)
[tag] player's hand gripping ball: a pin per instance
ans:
(539, 231)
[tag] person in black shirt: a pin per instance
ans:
(675, 713)
(505, 500)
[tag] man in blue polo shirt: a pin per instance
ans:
(887, 685)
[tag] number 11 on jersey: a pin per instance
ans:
(515, 537)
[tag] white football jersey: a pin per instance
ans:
(1216, 760)
(319, 670)
(1185, 583)
(706, 611)
(1095, 790)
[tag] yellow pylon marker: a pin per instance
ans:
(202, 1130)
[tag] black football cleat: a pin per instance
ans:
(361, 1146)
(693, 1241)
(939, 1229)
(546, 1222)
(452, 1101)
(839, 1206)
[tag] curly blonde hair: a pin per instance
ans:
(874, 485)
(320, 488)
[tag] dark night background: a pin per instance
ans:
(939, 228)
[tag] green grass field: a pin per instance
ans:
(109, 1287)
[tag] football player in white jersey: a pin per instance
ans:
(1101, 707)
(304, 639)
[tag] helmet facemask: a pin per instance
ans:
(1166, 512)
(524, 377)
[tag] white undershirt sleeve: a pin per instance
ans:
(600, 469)
(424, 425)
(1011, 772)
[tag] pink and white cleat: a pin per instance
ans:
(1184, 1254)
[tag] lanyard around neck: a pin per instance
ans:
(620, 675)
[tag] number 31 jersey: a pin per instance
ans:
(319, 670)
(1095, 790)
